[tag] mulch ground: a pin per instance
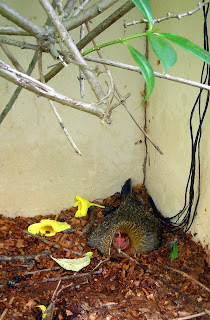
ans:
(153, 288)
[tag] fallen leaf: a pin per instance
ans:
(74, 264)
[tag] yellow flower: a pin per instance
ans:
(44, 310)
(48, 227)
(83, 206)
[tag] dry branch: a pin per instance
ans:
(69, 43)
(157, 74)
(39, 88)
(94, 33)
(169, 16)
(69, 24)
(20, 20)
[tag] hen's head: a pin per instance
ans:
(121, 241)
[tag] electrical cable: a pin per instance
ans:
(185, 217)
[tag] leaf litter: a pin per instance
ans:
(147, 287)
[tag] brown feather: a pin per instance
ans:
(133, 220)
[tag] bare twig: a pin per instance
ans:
(68, 41)
(57, 246)
(39, 88)
(20, 20)
(88, 14)
(95, 32)
(58, 117)
(92, 272)
(81, 7)
(169, 15)
(29, 71)
(122, 101)
(74, 276)
(142, 130)
(151, 272)
(81, 75)
(144, 166)
(193, 316)
(187, 276)
(16, 31)
(112, 87)
(42, 270)
(5, 310)
(20, 44)
(70, 24)
(157, 74)
(51, 307)
(68, 8)
(25, 257)
(18, 90)
(11, 57)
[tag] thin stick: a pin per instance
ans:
(71, 46)
(20, 20)
(43, 270)
(92, 272)
(81, 75)
(193, 316)
(20, 44)
(76, 149)
(142, 130)
(57, 246)
(157, 74)
(32, 64)
(25, 257)
(69, 6)
(94, 33)
(169, 15)
(123, 101)
(81, 7)
(11, 57)
(18, 90)
(151, 272)
(5, 310)
(187, 276)
(39, 88)
(58, 117)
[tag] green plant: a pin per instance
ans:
(160, 45)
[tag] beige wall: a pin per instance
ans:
(168, 124)
(40, 172)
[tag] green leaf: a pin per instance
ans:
(145, 68)
(74, 264)
(163, 50)
(144, 7)
(187, 45)
(175, 252)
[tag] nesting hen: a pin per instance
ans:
(131, 229)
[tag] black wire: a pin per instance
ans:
(187, 213)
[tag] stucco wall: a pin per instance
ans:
(168, 115)
(40, 172)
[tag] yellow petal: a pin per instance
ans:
(34, 228)
(76, 204)
(48, 227)
(96, 205)
(43, 308)
(56, 225)
(82, 205)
